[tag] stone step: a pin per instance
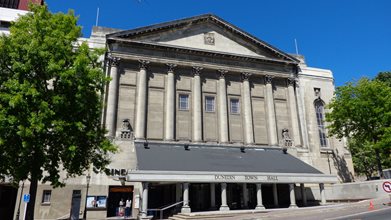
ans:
(181, 216)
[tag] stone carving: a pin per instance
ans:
(126, 130)
(209, 38)
(171, 67)
(221, 73)
(268, 79)
(113, 61)
(291, 81)
(285, 133)
(246, 76)
(143, 64)
(317, 92)
(287, 141)
(197, 70)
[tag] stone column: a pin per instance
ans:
(178, 192)
(322, 194)
(112, 97)
(259, 197)
(271, 114)
(170, 104)
(144, 206)
(213, 195)
(303, 194)
(245, 195)
(141, 104)
(275, 195)
(185, 207)
(293, 111)
(292, 195)
(302, 118)
(223, 112)
(224, 206)
(248, 116)
(197, 105)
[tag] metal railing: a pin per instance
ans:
(161, 210)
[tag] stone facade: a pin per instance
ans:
(204, 81)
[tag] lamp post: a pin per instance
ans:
(88, 177)
(20, 201)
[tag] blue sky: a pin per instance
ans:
(350, 37)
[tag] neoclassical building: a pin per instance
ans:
(207, 117)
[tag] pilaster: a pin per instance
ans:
(112, 96)
(197, 105)
(141, 104)
(248, 116)
(170, 104)
(293, 112)
(271, 114)
(223, 111)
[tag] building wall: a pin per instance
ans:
(129, 72)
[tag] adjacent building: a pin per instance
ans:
(206, 117)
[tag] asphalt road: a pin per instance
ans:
(352, 211)
(382, 214)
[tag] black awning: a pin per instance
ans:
(206, 158)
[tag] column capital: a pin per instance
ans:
(291, 81)
(268, 79)
(221, 73)
(197, 70)
(113, 61)
(246, 76)
(170, 67)
(143, 64)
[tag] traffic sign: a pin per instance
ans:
(387, 186)
(26, 198)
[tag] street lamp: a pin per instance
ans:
(88, 177)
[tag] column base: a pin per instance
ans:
(293, 206)
(260, 207)
(224, 208)
(145, 217)
(185, 209)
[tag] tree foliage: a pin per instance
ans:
(384, 77)
(50, 104)
(362, 112)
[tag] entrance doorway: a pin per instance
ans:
(7, 201)
(200, 197)
(75, 205)
(116, 193)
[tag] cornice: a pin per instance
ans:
(199, 51)
(206, 65)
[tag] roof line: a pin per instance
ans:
(218, 20)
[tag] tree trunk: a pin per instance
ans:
(380, 170)
(33, 194)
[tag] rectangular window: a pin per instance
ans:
(234, 106)
(183, 102)
(209, 104)
(46, 196)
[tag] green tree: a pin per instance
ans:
(50, 102)
(363, 155)
(362, 111)
(384, 77)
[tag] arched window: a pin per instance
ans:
(319, 109)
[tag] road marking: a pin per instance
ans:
(361, 213)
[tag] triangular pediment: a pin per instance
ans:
(207, 33)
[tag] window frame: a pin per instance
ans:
(320, 120)
(44, 196)
(231, 106)
(187, 107)
(209, 97)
